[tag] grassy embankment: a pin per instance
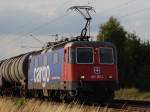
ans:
(132, 94)
(24, 105)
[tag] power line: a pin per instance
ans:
(93, 1)
(38, 40)
(134, 13)
(24, 25)
(18, 28)
(45, 24)
(27, 47)
(36, 29)
(117, 6)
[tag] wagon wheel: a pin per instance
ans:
(63, 96)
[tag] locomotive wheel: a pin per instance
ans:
(103, 95)
(54, 95)
(51, 95)
(29, 94)
(111, 94)
(63, 96)
(1, 92)
(106, 95)
(83, 97)
(67, 96)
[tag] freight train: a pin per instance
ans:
(70, 68)
(64, 69)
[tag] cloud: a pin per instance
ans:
(19, 17)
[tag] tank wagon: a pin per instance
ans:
(67, 69)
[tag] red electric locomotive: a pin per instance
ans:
(90, 68)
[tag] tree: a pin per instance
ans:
(133, 55)
(112, 31)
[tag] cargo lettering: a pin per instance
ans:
(42, 75)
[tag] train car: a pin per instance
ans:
(66, 70)
(74, 68)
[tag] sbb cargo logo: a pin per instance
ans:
(42, 75)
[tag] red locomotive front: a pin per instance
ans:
(90, 66)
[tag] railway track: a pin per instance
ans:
(129, 105)
(142, 106)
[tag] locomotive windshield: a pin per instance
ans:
(84, 55)
(106, 55)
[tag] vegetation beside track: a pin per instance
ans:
(133, 60)
(133, 55)
(33, 105)
(132, 94)
(25, 105)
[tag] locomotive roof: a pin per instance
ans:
(89, 43)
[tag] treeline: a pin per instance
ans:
(133, 54)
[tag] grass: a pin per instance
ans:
(132, 94)
(14, 105)
(33, 105)
(20, 101)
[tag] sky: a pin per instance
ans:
(19, 19)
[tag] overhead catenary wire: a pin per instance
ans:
(27, 46)
(91, 2)
(134, 13)
(35, 29)
(124, 4)
(129, 2)
(19, 37)
(35, 38)
(14, 40)
(117, 6)
(26, 24)
(38, 40)
(26, 34)
(19, 28)
(126, 16)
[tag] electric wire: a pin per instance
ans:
(26, 24)
(38, 40)
(35, 29)
(47, 23)
(134, 13)
(121, 5)
(14, 40)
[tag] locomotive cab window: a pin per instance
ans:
(106, 55)
(84, 55)
(72, 55)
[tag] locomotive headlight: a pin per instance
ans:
(110, 77)
(82, 77)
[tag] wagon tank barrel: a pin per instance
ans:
(14, 69)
